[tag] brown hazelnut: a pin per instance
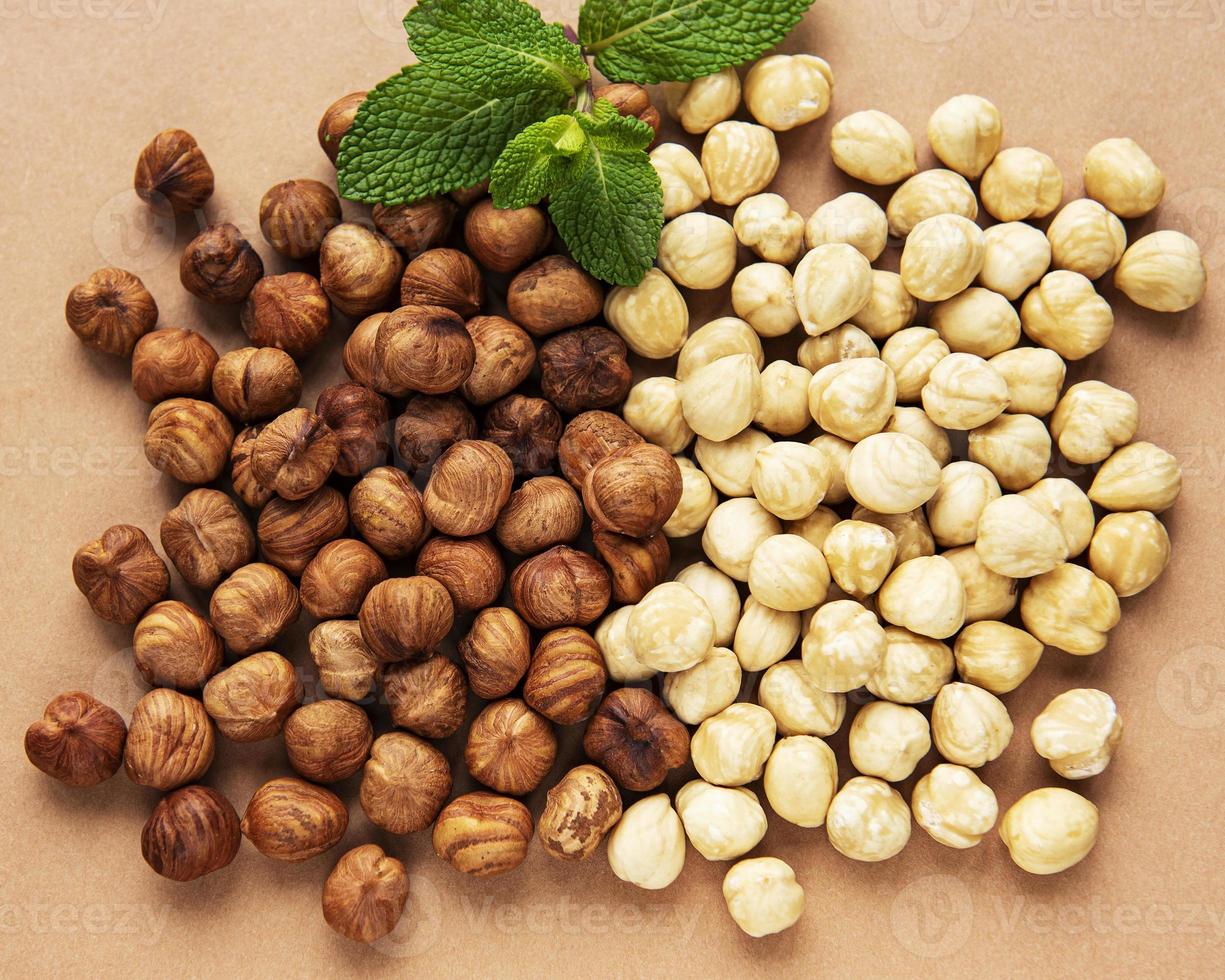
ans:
(251, 700)
(250, 491)
(170, 740)
(630, 100)
(256, 383)
(543, 512)
(443, 277)
(253, 607)
(553, 294)
(468, 488)
(296, 215)
(429, 425)
(110, 311)
(482, 834)
(465, 197)
(120, 574)
(421, 349)
(188, 439)
(510, 747)
(358, 269)
(387, 511)
(633, 491)
(496, 651)
(220, 266)
(172, 168)
(636, 739)
(78, 740)
(357, 356)
(505, 356)
(192, 832)
(637, 565)
(416, 227)
(172, 362)
(405, 618)
(566, 678)
(289, 311)
(346, 667)
(291, 532)
(337, 121)
(507, 239)
(470, 569)
(337, 579)
(174, 646)
(359, 417)
(588, 438)
(560, 587)
(579, 811)
(207, 537)
(293, 820)
(365, 894)
(527, 429)
(429, 699)
(295, 453)
(405, 783)
(584, 369)
(327, 741)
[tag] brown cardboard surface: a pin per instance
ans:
(87, 82)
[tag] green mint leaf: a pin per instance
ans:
(503, 41)
(649, 41)
(537, 162)
(429, 130)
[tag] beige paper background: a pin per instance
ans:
(87, 82)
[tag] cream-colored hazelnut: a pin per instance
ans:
(995, 656)
(783, 91)
(1019, 538)
(652, 317)
(698, 250)
(887, 740)
(832, 284)
(719, 338)
(671, 628)
(1034, 376)
(704, 102)
(912, 354)
(790, 479)
(682, 177)
(1069, 507)
(721, 595)
(954, 509)
(1015, 256)
(1070, 608)
(873, 147)
(698, 501)
(941, 257)
(1086, 238)
(763, 896)
(927, 194)
(914, 537)
(892, 473)
(1120, 175)
(731, 748)
(889, 307)
(801, 779)
(704, 689)
(1140, 476)
(838, 451)
(860, 556)
(1065, 313)
(1016, 448)
(853, 399)
(764, 295)
(784, 400)
(815, 527)
(926, 596)
(844, 646)
(721, 822)
(764, 635)
(733, 532)
(647, 847)
(977, 321)
(798, 705)
(1163, 271)
(844, 343)
(852, 218)
(612, 637)
(868, 820)
(954, 806)
(989, 595)
(910, 421)
(1049, 830)
(729, 463)
(1021, 183)
(1130, 551)
(766, 224)
(740, 160)
(653, 410)
(720, 399)
(963, 391)
(970, 726)
(965, 133)
(913, 669)
(1077, 732)
(788, 573)
(1092, 420)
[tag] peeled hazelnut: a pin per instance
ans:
(1140, 476)
(1019, 538)
(1048, 830)
(954, 806)
(965, 133)
(1123, 177)
(289, 311)
(888, 740)
(977, 321)
(873, 147)
(346, 667)
(543, 512)
(170, 740)
(815, 527)
(527, 429)
(731, 748)
(1077, 732)
(1070, 608)
(914, 537)
(170, 363)
(995, 656)
(652, 317)
(955, 508)
(801, 779)
(405, 618)
(1034, 376)
(913, 669)
(926, 596)
(797, 704)
(296, 215)
(729, 463)
(721, 399)
(914, 422)
(788, 573)
(338, 578)
(1015, 256)
(721, 822)
(560, 587)
(79, 740)
(844, 647)
(633, 491)
(358, 415)
(963, 392)
(470, 569)
(327, 741)
(429, 425)
(293, 820)
(506, 240)
(422, 348)
(174, 646)
(1065, 313)
(684, 182)
(636, 739)
(860, 556)
(868, 820)
(295, 453)
(630, 100)
(698, 250)
(443, 277)
(1130, 551)
(833, 282)
(1163, 271)
(189, 440)
(120, 574)
(337, 121)
(483, 834)
(250, 700)
(496, 652)
(566, 678)
(387, 511)
(587, 439)
(647, 846)
(249, 490)
(584, 369)
(110, 311)
(911, 354)
(416, 227)
(1093, 419)
(612, 637)
(697, 503)
(1021, 183)
(172, 168)
(1015, 448)
(740, 159)
(253, 607)
(704, 689)
(1086, 238)
(358, 269)
(764, 295)
(256, 383)
(291, 532)
(852, 218)
(220, 266)
(942, 256)
(970, 726)
(637, 565)
(505, 356)
(580, 810)
(192, 832)
(405, 783)
(510, 747)
(365, 894)
(672, 628)
(889, 308)
(429, 698)
(733, 532)
(700, 104)
(927, 194)
(358, 355)
(853, 399)
(468, 488)
(784, 91)
(553, 294)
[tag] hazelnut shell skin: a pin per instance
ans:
(79, 740)
(496, 650)
(587, 439)
(416, 227)
(365, 895)
(527, 429)
(249, 490)
(405, 783)
(585, 369)
(189, 440)
(174, 646)
(193, 831)
(327, 741)
(173, 168)
(292, 820)
(633, 491)
(566, 678)
(296, 215)
(405, 618)
(295, 453)
(505, 357)
(110, 311)
(251, 699)
(553, 294)
(429, 698)
(337, 121)
(443, 277)
(387, 511)
(545, 511)
(637, 565)
(291, 532)
(170, 740)
(510, 747)
(290, 311)
(503, 240)
(635, 738)
(422, 349)
(254, 383)
(346, 667)
(470, 569)
(468, 488)
(337, 580)
(172, 363)
(358, 269)
(253, 607)
(220, 266)
(560, 587)
(578, 812)
(359, 416)
(207, 538)
(120, 574)
(483, 834)
(429, 426)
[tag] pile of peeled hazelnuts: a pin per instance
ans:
(415, 512)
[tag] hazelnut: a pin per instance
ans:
(483, 834)
(552, 294)
(913, 669)
(784, 91)
(346, 667)
(1086, 238)
(911, 354)
(358, 354)
(1019, 538)
(468, 488)
(170, 740)
(636, 739)
(740, 159)
(220, 266)
(496, 651)
(941, 257)
(579, 811)
(647, 846)
(1123, 177)
(1140, 476)
(1048, 830)
(700, 104)
(927, 194)
(652, 317)
(387, 511)
(292, 820)
(734, 530)
(873, 147)
(1130, 551)
(566, 678)
(1065, 313)
(337, 121)
(720, 399)
(1034, 376)
(251, 700)
(731, 748)
(721, 822)
(465, 197)
(1015, 256)
(860, 556)
(854, 219)
(698, 250)
(720, 593)
(543, 512)
(169, 363)
(684, 182)
(250, 491)
(926, 596)
(697, 503)
(470, 569)
(955, 508)
(527, 430)
(505, 356)
(339, 577)
(790, 478)
(296, 215)
(637, 565)
(506, 240)
(587, 439)
(78, 740)
(1163, 271)
(253, 607)
(358, 415)
(788, 573)
(443, 277)
(970, 726)
(327, 741)
(995, 656)
(174, 646)
(584, 369)
(868, 820)
(110, 311)
(429, 425)
(289, 311)
(853, 399)
(1077, 732)
(704, 689)
(844, 647)
(172, 168)
(909, 421)
(914, 537)
(416, 227)
(365, 894)
(633, 491)
(764, 295)
(816, 526)
(405, 618)
(630, 100)
(799, 707)
(977, 321)
(889, 308)
(295, 453)
(729, 463)
(888, 740)
(405, 783)
(801, 779)
(1021, 183)
(672, 628)
(192, 832)
(1016, 448)
(358, 269)
(120, 574)
(954, 806)
(963, 392)
(763, 896)
(965, 133)
(291, 532)
(1070, 608)
(1093, 419)
(612, 637)
(422, 348)
(188, 440)
(429, 698)
(510, 747)
(560, 587)
(256, 383)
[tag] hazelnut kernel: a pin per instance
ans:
(170, 363)
(189, 440)
(552, 294)
(296, 215)
(579, 811)
(289, 311)
(647, 846)
(120, 574)
(868, 820)
(428, 426)
(510, 747)
(470, 569)
(110, 311)
(1049, 830)
(170, 740)
(253, 607)
(636, 739)
(560, 587)
(527, 429)
(174, 646)
(505, 356)
(250, 700)
(504, 240)
(292, 820)
(483, 834)
(584, 369)
(429, 698)
(358, 269)
(388, 512)
(172, 169)
(79, 740)
(405, 618)
(192, 832)
(365, 895)
(346, 667)
(763, 896)
(404, 784)
(327, 741)
(633, 491)
(256, 383)
(337, 121)
(566, 678)
(220, 266)
(416, 227)
(497, 651)
(291, 532)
